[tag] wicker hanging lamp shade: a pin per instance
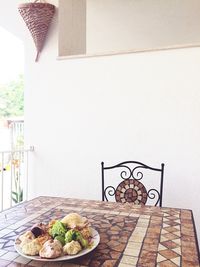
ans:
(37, 16)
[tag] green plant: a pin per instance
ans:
(17, 194)
(12, 98)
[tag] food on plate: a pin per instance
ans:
(38, 229)
(76, 236)
(67, 236)
(58, 229)
(72, 248)
(43, 238)
(51, 249)
(86, 232)
(27, 237)
(74, 220)
(70, 235)
(31, 248)
(61, 239)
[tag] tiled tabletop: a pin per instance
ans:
(130, 235)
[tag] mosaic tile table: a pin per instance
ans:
(130, 235)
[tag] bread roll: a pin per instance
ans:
(51, 249)
(73, 220)
(72, 248)
(31, 248)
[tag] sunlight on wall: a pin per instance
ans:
(11, 55)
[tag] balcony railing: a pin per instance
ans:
(13, 177)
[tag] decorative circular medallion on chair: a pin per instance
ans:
(131, 190)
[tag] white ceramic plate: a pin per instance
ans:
(95, 241)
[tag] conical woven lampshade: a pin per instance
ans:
(37, 17)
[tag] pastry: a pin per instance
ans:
(72, 248)
(31, 248)
(51, 249)
(27, 237)
(73, 220)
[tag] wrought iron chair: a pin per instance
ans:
(129, 187)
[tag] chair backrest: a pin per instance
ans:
(128, 183)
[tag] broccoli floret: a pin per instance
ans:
(82, 241)
(58, 229)
(70, 235)
(76, 236)
(61, 239)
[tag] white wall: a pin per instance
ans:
(94, 27)
(128, 25)
(141, 106)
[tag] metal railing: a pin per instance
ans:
(16, 133)
(13, 177)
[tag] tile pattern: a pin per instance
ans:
(131, 190)
(169, 250)
(131, 235)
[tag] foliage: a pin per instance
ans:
(12, 98)
(12, 105)
(17, 197)
(17, 194)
